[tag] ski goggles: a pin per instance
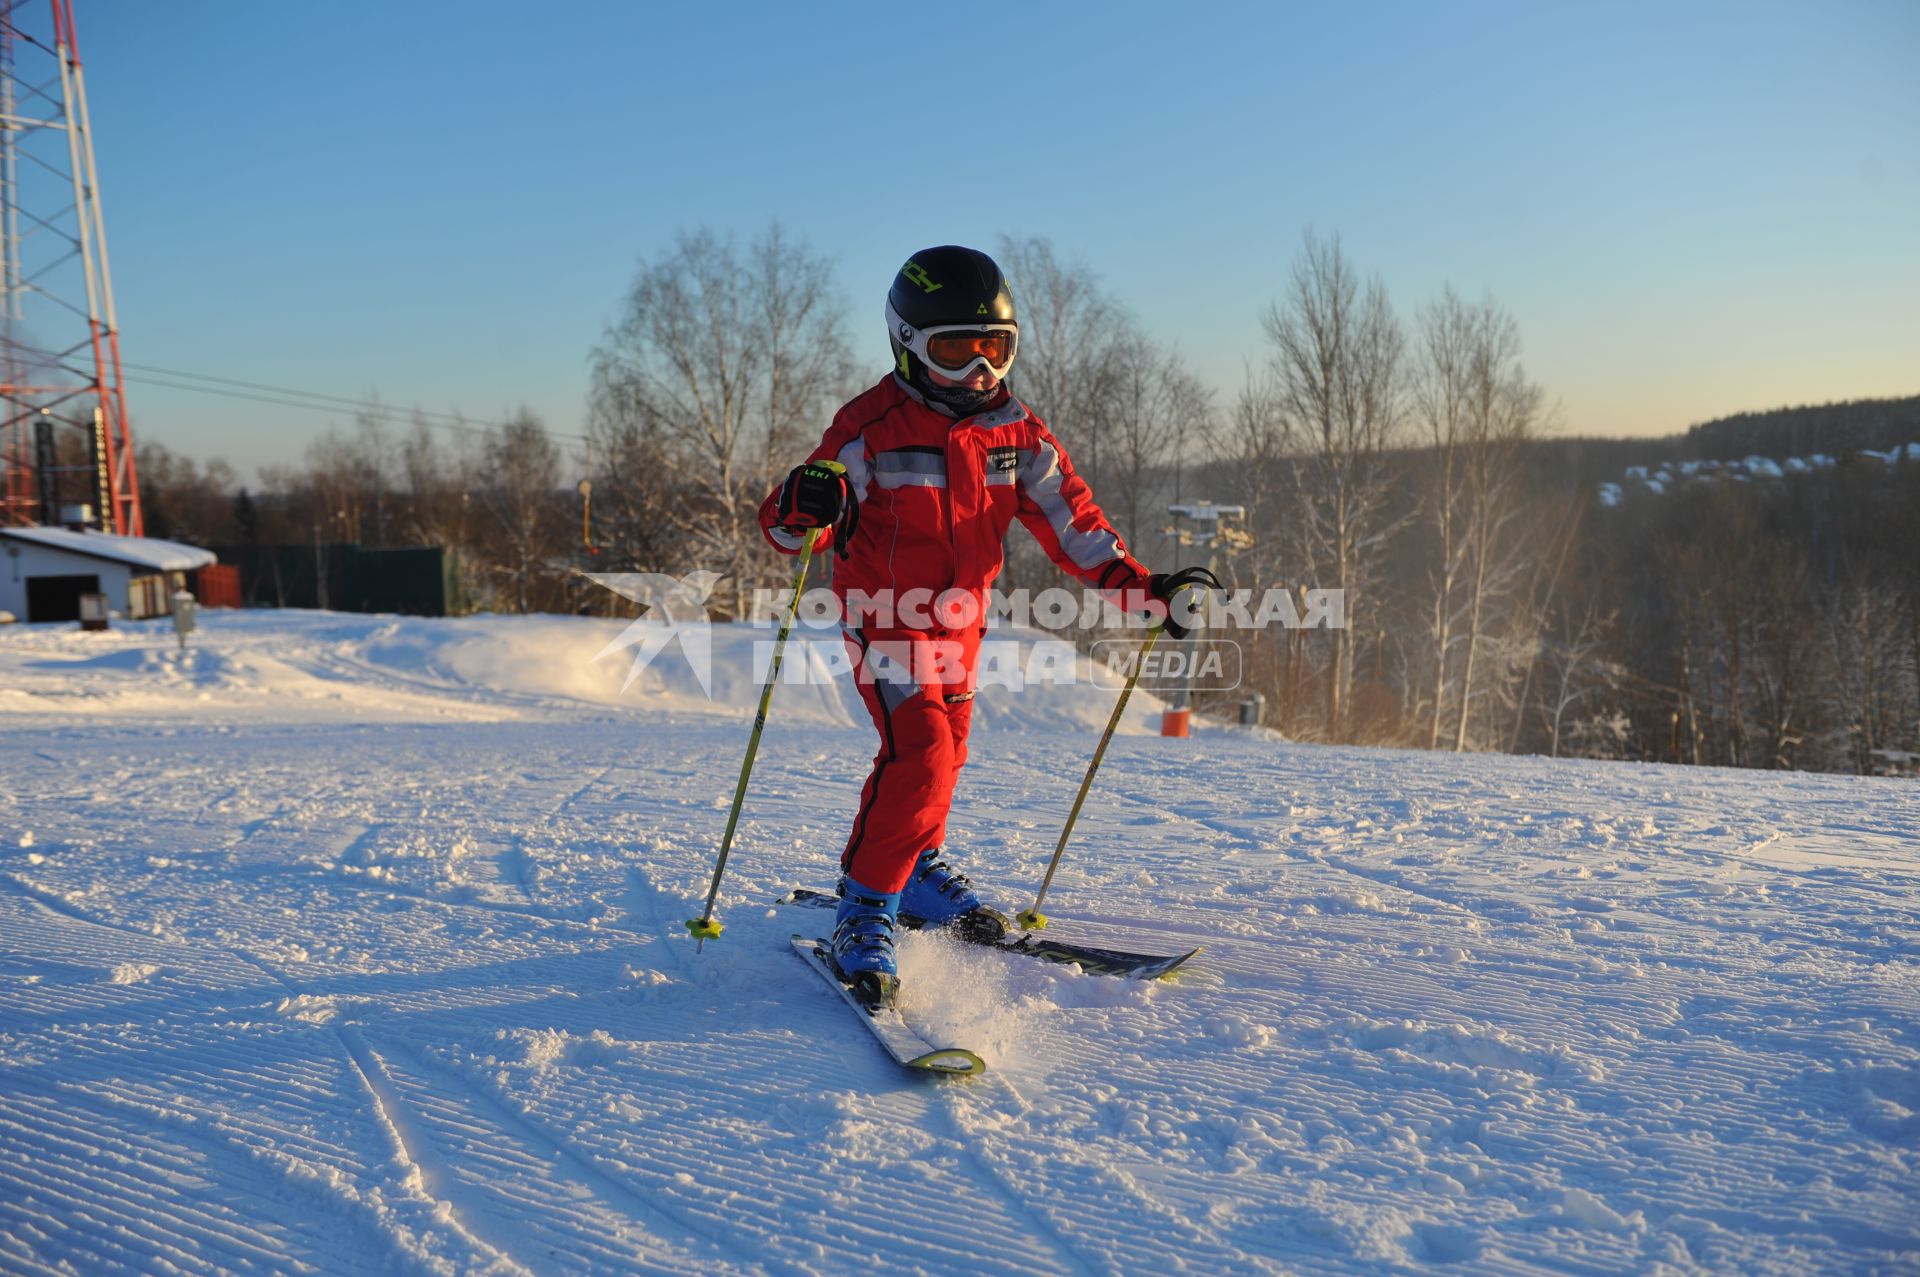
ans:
(956, 350)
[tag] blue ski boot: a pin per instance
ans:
(863, 943)
(938, 895)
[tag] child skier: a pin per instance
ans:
(934, 464)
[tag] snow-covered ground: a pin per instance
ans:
(350, 944)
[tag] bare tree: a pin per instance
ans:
(809, 368)
(335, 473)
(183, 501)
(1864, 648)
(374, 458)
(518, 490)
(1549, 537)
(731, 360)
(1151, 410)
(440, 475)
(1253, 467)
(1578, 667)
(1337, 365)
(634, 507)
(1441, 392)
(1503, 410)
(1067, 327)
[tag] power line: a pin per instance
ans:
(351, 401)
(380, 412)
(377, 411)
(288, 397)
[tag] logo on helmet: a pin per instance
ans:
(906, 333)
(917, 274)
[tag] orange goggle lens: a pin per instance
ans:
(957, 350)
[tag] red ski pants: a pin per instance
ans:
(918, 686)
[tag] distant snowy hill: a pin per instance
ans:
(353, 944)
(1661, 479)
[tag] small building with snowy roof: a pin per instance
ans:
(45, 570)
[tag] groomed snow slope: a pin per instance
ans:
(353, 944)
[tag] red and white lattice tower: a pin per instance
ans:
(64, 440)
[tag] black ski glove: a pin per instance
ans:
(1166, 585)
(819, 495)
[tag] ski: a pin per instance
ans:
(888, 1026)
(1099, 961)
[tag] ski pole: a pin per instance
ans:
(704, 928)
(1031, 919)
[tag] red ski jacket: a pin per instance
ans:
(938, 495)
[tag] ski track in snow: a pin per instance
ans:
(396, 979)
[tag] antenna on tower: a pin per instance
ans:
(65, 446)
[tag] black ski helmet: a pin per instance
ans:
(954, 288)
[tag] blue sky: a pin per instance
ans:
(1691, 209)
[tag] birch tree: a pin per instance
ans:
(1337, 352)
(1441, 391)
(734, 361)
(1502, 416)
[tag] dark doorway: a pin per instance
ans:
(57, 598)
